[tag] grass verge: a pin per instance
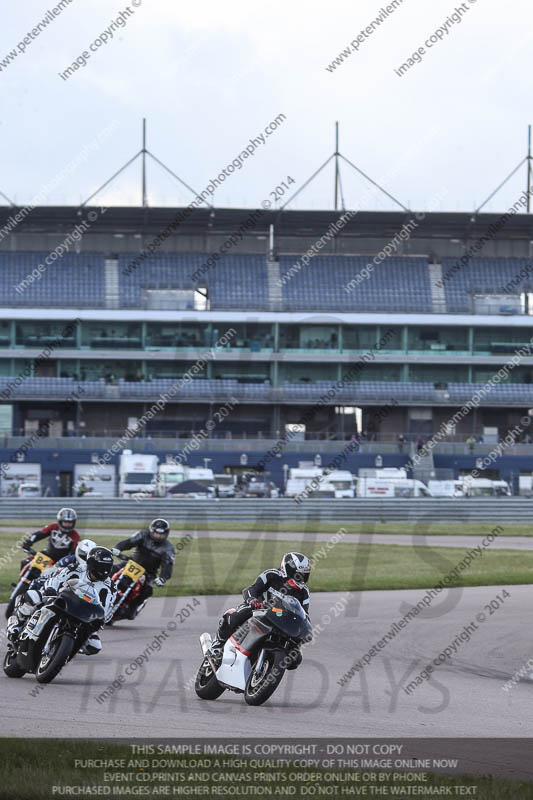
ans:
(41, 769)
(225, 566)
(309, 526)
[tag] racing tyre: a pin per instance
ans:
(11, 668)
(261, 685)
(206, 685)
(54, 660)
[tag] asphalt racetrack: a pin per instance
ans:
(463, 697)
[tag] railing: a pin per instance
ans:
(328, 443)
(278, 511)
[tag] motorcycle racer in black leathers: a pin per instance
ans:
(152, 551)
(93, 571)
(291, 579)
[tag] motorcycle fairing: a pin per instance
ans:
(235, 668)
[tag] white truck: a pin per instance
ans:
(225, 485)
(94, 480)
(484, 487)
(21, 480)
(320, 482)
(137, 474)
(202, 475)
(447, 488)
(383, 487)
(169, 476)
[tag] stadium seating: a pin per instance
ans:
(72, 281)
(397, 284)
(364, 392)
(235, 282)
(239, 282)
(482, 276)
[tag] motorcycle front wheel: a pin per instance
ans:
(21, 588)
(206, 685)
(261, 685)
(11, 668)
(53, 661)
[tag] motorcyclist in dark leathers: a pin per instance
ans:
(291, 579)
(152, 551)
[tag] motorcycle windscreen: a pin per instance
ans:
(288, 616)
(79, 607)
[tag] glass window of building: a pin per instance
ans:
(500, 340)
(522, 374)
(390, 339)
(118, 335)
(41, 333)
(363, 371)
(111, 371)
(173, 335)
(250, 372)
(438, 340)
(252, 336)
(361, 338)
(309, 337)
(171, 370)
(69, 368)
(439, 373)
(5, 339)
(307, 373)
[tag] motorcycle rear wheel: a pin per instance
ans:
(260, 687)
(54, 663)
(206, 685)
(11, 668)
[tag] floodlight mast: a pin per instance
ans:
(528, 190)
(144, 198)
(143, 152)
(337, 166)
(526, 160)
(336, 156)
(11, 203)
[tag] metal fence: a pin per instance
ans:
(258, 512)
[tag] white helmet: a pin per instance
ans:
(296, 567)
(83, 549)
(66, 518)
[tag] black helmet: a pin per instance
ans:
(99, 563)
(296, 567)
(66, 518)
(159, 530)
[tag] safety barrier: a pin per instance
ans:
(277, 510)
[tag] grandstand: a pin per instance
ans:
(423, 329)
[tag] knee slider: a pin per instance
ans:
(93, 644)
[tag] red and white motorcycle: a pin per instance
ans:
(255, 658)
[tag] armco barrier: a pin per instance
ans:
(278, 510)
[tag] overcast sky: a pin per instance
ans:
(209, 76)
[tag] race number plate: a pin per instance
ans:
(133, 570)
(41, 561)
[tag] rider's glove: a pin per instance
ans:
(256, 604)
(116, 551)
(160, 581)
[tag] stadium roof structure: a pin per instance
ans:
(130, 220)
